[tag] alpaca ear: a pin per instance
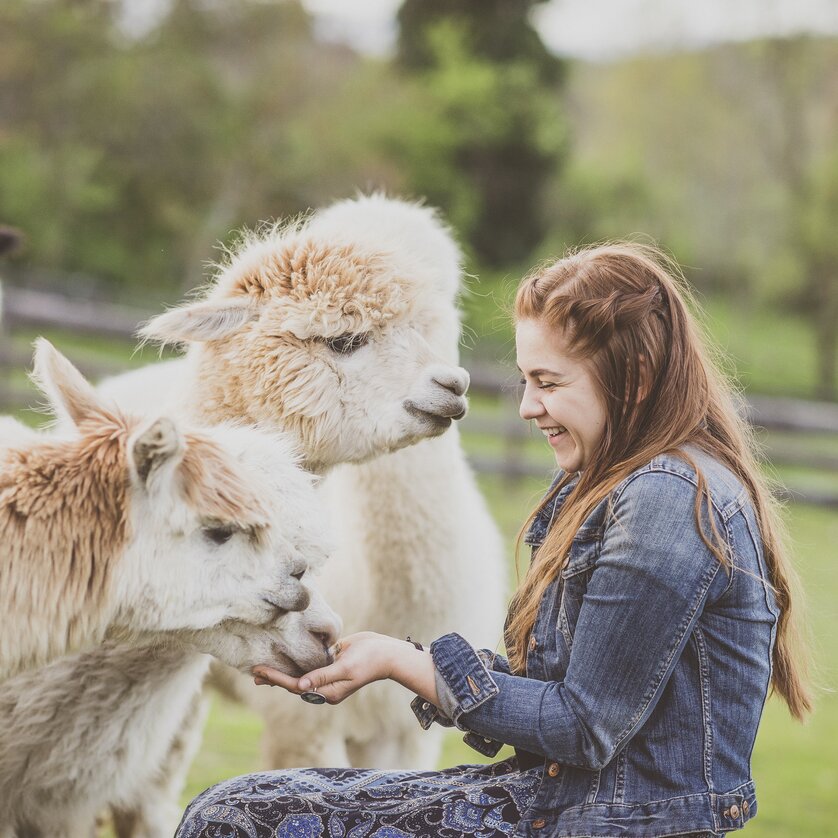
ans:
(68, 392)
(154, 446)
(199, 322)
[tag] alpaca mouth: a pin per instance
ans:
(284, 663)
(440, 418)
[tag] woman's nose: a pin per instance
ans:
(530, 407)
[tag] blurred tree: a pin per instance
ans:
(797, 103)
(104, 143)
(128, 157)
(723, 155)
(493, 121)
(818, 248)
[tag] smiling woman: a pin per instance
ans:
(560, 394)
(644, 638)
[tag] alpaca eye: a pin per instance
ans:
(218, 535)
(348, 343)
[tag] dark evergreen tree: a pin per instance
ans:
(508, 165)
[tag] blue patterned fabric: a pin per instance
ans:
(483, 801)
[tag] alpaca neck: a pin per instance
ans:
(388, 514)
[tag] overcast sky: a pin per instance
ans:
(604, 28)
(590, 29)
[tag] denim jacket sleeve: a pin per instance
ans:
(450, 705)
(650, 583)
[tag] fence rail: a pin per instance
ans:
(791, 424)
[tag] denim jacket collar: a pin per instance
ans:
(540, 526)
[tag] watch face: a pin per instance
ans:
(313, 697)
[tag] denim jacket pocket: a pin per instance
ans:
(575, 576)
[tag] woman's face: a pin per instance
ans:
(560, 395)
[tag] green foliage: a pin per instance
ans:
(817, 251)
(491, 90)
(127, 157)
(498, 30)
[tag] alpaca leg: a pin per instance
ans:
(157, 812)
(73, 825)
(158, 820)
(416, 749)
(323, 749)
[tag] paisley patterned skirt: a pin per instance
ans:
(483, 801)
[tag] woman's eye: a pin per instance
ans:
(218, 535)
(546, 385)
(345, 344)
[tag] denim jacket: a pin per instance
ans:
(647, 668)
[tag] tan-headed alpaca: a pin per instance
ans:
(177, 542)
(74, 565)
(344, 331)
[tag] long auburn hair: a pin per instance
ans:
(622, 308)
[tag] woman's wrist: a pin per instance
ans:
(413, 669)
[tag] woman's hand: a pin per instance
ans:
(359, 659)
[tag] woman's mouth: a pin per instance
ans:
(552, 433)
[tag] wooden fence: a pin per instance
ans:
(800, 435)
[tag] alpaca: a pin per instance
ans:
(206, 551)
(76, 564)
(343, 330)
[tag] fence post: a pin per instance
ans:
(5, 369)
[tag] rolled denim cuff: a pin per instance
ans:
(463, 679)
(427, 713)
(483, 744)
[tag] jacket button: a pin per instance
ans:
(533, 644)
(745, 806)
(553, 769)
(726, 813)
(539, 823)
(734, 811)
(426, 705)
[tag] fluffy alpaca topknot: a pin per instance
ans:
(325, 288)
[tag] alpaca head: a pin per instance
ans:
(255, 558)
(342, 330)
(295, 642)
(159, 528)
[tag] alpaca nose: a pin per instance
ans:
(326, 629)
(455, 380)
(326, 639)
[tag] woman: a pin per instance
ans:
(656, 614)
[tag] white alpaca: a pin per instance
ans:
(344, 331)
(222, 526)
(76, 562)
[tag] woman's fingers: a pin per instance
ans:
(319, 678)
(269, 675)
(358, 662)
